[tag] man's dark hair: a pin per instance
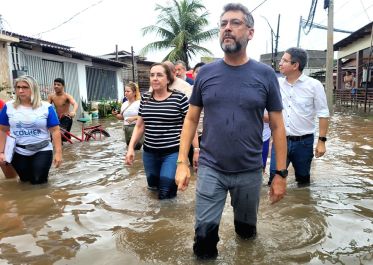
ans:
(59, 80)
(200, 64)
(299, 56)
(249, 20)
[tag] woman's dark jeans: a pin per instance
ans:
(35, 168)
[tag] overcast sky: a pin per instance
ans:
(104, 23)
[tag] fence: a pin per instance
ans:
(362, 98)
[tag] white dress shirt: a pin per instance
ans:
(303, 102)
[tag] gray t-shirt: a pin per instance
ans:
(234, 99)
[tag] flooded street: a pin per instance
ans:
(97, 211)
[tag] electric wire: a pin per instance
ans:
(365, 10)
(68, 20)
(308, 25)
(258, 6)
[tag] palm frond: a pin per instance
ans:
(181, 26)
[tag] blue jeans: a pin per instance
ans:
(211, 194)
(300, 154)
(160, 173)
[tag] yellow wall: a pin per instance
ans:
(5, 78)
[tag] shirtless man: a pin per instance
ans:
(62, 102)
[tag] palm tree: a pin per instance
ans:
(181, 29)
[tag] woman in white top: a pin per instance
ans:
(129, 111)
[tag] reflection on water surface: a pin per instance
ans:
(96, 211)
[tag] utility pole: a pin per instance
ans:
(299, 31)
(273, 35)
(133, 65)
(330, 58)
(277, 37)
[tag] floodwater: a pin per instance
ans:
(97, 211)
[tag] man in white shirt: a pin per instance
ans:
(303, 99)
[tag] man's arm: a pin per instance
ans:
(187, 134)
(278, 186)
(50, 99)
(75, 105)
(323, 130)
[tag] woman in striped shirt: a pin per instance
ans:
(161, 117)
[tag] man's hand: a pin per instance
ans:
(277, 190)
(72, 114)
(320, 149)
(182, 177)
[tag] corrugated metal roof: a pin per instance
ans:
(61, 50)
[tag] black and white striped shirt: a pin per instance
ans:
(163, 122)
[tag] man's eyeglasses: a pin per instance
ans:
(286, 61)
(235, 23)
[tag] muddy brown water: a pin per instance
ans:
(97, 211)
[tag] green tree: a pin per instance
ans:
(181, 27)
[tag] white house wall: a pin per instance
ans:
(354, 47)
(120, 85)
(82, 81)
(74, 71)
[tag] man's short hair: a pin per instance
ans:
(59, 80)
(249, 20)
(299, 56)
(181, 63)
(198, 65)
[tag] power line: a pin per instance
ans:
(319, 26)
(71, 18)
(258, 6)
(310, 19)
(365, 11)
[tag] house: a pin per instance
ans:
(354, 53)
(88, 77)
(136, 68)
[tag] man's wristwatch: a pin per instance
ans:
(323, 139)
(283, 173)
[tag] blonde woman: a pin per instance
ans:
(31, 122)
(129, 112)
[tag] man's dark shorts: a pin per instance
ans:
(66, 122)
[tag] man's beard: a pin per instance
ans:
(232, 47)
